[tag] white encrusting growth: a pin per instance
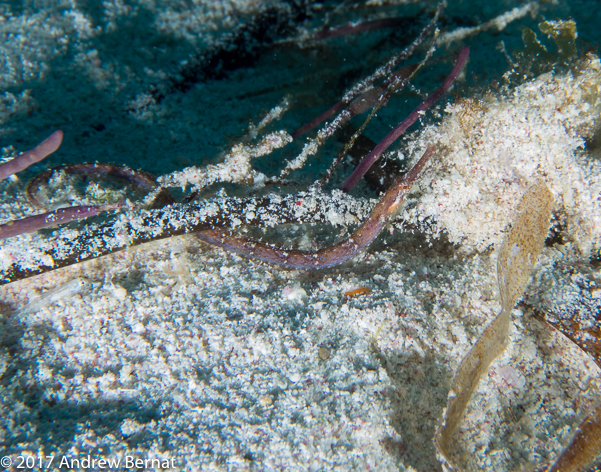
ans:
(499, 23)
(312, 146)
(236, 167)
(274, 114)
(315, 207)
(493, 149)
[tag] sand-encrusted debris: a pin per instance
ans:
(496, 147)
(517, 257)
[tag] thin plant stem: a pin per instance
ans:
(397, 82)
(140, 179)
(53, 218)
(38, 153)
(358, 28)
(331, 256)
(391, 137)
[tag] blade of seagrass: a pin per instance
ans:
(136, 226)
(517, 257)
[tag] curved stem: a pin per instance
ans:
(141, 179)
(391, 137)
(330, 256)
(41, 151)
(53, 218)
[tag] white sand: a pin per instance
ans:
(177, 350)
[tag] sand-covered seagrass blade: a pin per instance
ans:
(517, 257)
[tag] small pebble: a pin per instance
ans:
(324, 353)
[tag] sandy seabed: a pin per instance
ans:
(175, 352)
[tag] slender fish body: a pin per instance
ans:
(66, 290)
